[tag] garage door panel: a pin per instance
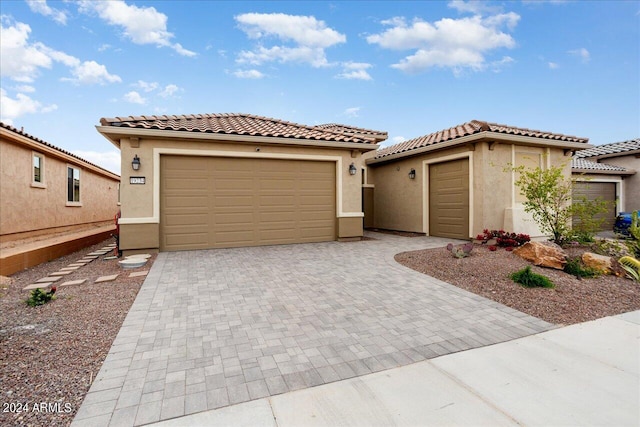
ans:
(605, 191)
(449, 199)
(247, 202)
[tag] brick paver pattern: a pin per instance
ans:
(213, 328)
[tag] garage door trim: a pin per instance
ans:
(158, 151)
(425, 187)
(619, 193)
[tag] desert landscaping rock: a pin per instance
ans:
(600, 263)
(543, 254)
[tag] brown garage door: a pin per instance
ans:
(217, 202)
(593, 190)
(449, 199)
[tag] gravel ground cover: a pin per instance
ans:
(50, 354)
(487, 273)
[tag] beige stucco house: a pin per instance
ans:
(47, 191)
(610, 171)
(455, 183)
(228, 180)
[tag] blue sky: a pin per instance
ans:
(408, 68)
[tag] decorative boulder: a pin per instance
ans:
(544, 255)
(599, 263)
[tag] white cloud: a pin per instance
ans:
(103, 47)
(90, 72)
(109, 160)
(25, 89)
(392, 141)
(142, 25)
(20, 60)
(553, 65)
(473, 6)
(355, 70)
(12, 108)
(352, 112)
(41, 7)
(169, 90)
(23, 61)
(134, 98)
(581, 53)
(307, 38)
(248, 74)
(451, 43)
(146, 86)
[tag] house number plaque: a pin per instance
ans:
(136, 180)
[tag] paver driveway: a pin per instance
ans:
(217, 327)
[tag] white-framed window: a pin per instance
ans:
(73, 186)
(37, 173)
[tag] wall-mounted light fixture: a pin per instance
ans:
(412, 174)
(135, 164)
(352, 169)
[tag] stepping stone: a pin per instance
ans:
(139, 273)
(106, 278)
(73, 282)
(70, 268)
(132, 262)
(108, 258)
(43, 286)
(79, 263)
(96, 254)
(49, 279)
(89, 258)
(61, 273)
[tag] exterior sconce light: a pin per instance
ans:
(412, 174)
(135, 164)
(352, 169)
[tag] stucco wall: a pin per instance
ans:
(631, 184)
(138, 200)
(26, 208)
(399, 203)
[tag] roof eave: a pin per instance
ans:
(601, 172)
(53, 151)
(113, 134)
(485, 136)
(611, 155)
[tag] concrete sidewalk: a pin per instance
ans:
(581, 375)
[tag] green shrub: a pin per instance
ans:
(575, 268)
(529, 279)
(39, 297)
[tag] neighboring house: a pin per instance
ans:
(456, 182)
(610, 171)
(229, 180)
(46, 191)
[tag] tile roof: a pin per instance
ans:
(471, 128)
(236, 124)
(40, 141)
(583, 164)
(352, 130)
(613, 148)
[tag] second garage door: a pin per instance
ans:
(218, 202)
(593, 190)
(449, 199)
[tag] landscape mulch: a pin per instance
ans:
(49, 354)
(486, 273)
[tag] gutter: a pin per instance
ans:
(601, 172)
(112, 133)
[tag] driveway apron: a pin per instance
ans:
(214, 328)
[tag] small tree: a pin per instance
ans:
(548, 199)
(586, 217)
(548, 196)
